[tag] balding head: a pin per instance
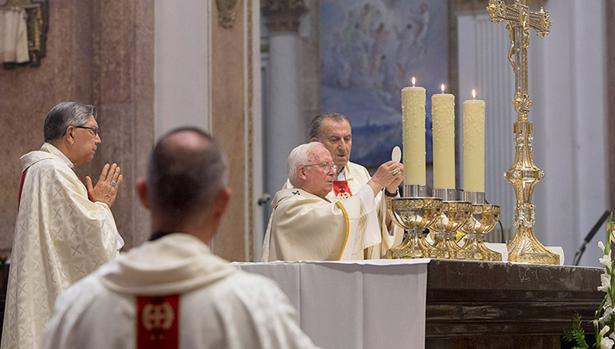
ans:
(185, 173)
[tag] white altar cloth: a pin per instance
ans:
(355, 304)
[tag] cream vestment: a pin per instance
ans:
(304, 226)
(60, 237)
(391, 234)
(219, 306)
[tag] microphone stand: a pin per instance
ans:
(589, 237)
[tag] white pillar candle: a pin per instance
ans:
(413, 121)
(474, 145)
(443, 134)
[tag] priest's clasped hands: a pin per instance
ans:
(389, 175)
(107, 185)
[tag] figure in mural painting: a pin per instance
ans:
(379, 39)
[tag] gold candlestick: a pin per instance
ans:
(524, 174)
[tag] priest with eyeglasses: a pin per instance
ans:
(306, 225)
(64, 229)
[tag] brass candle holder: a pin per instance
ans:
(414, 214)
(483, 219)
(453, 216)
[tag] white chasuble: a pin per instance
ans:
(218, 306)
(60, 237)
(391, 234)
(304, 226)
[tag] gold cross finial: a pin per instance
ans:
(519, 12)
(519, 21)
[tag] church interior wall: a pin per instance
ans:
(114, 54)
(309, 34)
(569, 79)
(567, 84)
(100, 53)
(182, 65)
(229, 126)
(610, 90)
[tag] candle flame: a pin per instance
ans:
(413, 81)
(473, 94)
(442, 88)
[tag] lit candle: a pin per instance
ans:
(413, 122)
(443, 137)
(474, 145)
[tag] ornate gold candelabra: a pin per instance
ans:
(524, 174)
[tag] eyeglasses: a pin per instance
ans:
(94, 130)
(324, 165)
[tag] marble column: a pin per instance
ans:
(284, 127)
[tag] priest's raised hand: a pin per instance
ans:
(389, 175)
(107, 185)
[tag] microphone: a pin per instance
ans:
(590, 236)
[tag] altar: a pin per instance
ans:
(427, 303)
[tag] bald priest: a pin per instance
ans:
(305, 225)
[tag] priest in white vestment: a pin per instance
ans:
(172, 292)
(306, 225)
(60, 234)
(334, 131)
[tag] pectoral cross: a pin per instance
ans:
(520, 20)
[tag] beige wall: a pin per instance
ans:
(103, 53)
(98, 52)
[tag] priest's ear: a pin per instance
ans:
(221, 202)
(69, 136)
(301, 175)
(142, 191)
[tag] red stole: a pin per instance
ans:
(341, 189)
(23, 179)
(158, 322)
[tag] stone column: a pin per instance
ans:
(284, 127)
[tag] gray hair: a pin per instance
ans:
(65, 114)
(318, 119)
(184, 179)
(298, 157)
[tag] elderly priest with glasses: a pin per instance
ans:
(305, 225)
(64, 229)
